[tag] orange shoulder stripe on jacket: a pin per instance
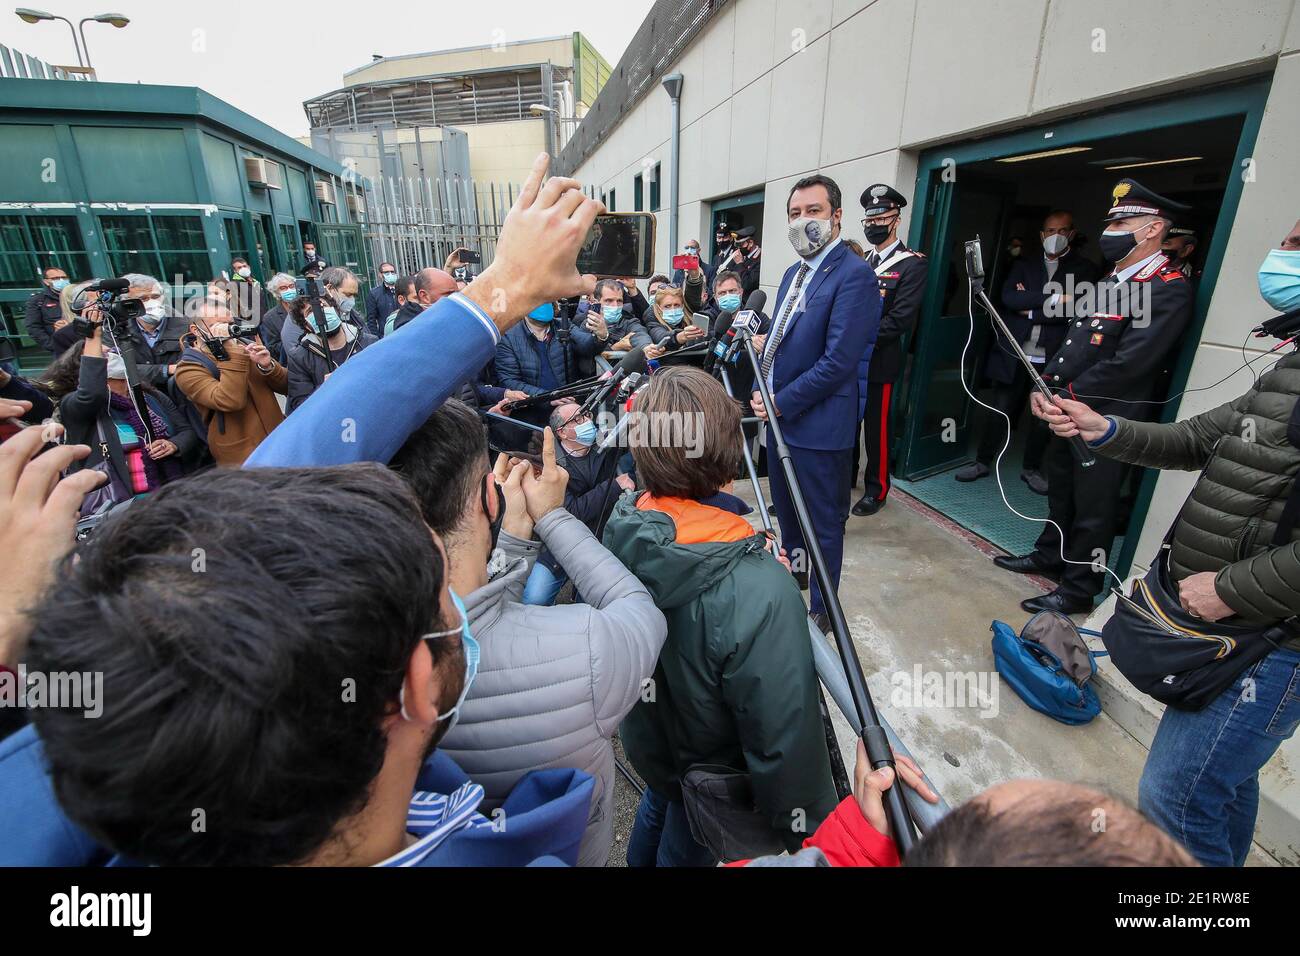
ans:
(697, 523)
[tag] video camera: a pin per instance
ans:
(118, 311)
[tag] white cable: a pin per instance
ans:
(997, 464)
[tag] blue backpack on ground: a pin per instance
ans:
(1049, 665)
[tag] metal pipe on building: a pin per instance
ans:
(672, 83)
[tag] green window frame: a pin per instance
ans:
(638, 193)
(30, 243)
(168, 246)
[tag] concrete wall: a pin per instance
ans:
(776, 89)
(504, 152)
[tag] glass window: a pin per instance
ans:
(170, 248)
(638, 194)
(235, 237)
(57, 242)
(30, 244)
(17, 265)
(292, 247)
(654, 191)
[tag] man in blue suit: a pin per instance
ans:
(815, 361)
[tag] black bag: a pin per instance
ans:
(719, 801)
(1178, 659)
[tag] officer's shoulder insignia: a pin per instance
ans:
(1121, 190)
(1146, 274)
(1172, 275)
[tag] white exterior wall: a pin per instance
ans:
(777, 89)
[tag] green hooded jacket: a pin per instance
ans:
(742, 688)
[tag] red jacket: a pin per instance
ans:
(847, 839)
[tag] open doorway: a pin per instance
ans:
(1001, 190)
(735, 212)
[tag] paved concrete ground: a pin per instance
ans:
(917, 592)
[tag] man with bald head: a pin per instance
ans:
(590, 496)
(427, 287)
(232, 383)
(1017, 823)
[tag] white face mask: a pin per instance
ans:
(1055, 245)
(810, 236)
(116, 366)
(244, 272)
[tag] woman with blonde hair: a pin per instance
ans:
(667, 325)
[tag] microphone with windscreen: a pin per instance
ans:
(633, 362)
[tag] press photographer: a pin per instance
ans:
(232, 381)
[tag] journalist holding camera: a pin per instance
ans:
(137, 438)
(231, 378)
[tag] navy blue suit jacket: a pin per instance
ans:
(819, 378)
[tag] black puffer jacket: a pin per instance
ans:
(1229, 522)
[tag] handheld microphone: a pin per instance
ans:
(720, 325)
(629, 385)
(634, 361)
(1281, 326)
(745, 327)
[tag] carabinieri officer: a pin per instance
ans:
(900, 273)
(1113, 360)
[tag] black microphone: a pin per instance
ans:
(1280, 327)
(716, 331)
(109, 285)
(634, 361)
(757, 299)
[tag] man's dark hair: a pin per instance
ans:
(669, 469)
(725, 275)
(443, 462)
(1037, 832)
(404, 286)
(238, 261)
(832, 189)
(389, 264)
(45, 273)
(599, 290)
(250, 655)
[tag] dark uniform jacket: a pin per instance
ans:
(1114, 358)
(381, 302)
(902, 288)
(1025, 290)
(43, 310)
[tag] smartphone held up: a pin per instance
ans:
(619, 245)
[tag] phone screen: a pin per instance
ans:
(619, 245)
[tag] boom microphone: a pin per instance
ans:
(113, 286)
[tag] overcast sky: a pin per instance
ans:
(266, 57)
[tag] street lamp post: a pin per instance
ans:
(28, 15)
(113, 19)
(673, 87)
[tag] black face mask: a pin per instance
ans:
(1115, 248)
(501, 512)
(877, 234)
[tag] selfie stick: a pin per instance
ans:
(975, 271)
(874, 737)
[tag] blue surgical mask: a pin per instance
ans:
(729, 302)
(332, 320)
(289, 294)
(347, 303)
(585, 434)
(472, 654)
(58, 285)
(1279, 279)
(674, 316)
(390, 278)
(612, 313)
(543, 313)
